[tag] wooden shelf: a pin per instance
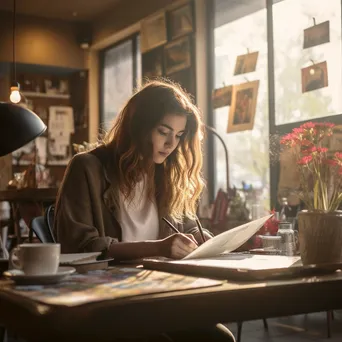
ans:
(49, 96)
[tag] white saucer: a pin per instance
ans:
(21, 279)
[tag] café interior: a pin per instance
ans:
(266, 76)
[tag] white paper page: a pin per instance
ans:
(228, 241)
(246, 261)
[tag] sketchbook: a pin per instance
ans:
(228, 241)
(215, 259)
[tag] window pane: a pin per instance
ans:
(117, 80)
(290, 18)
(248, 150)
(139, 63)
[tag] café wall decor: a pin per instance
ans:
(167, 46)
(243, 106)
(153, 32)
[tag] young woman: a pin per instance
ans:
(113, 198)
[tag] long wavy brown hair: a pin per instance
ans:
(176, 184)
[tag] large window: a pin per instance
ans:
(121, 71)
(241, 29)
(274, 28)
(290, 18)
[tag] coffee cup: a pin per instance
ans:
(36, 258)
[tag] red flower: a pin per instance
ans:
(325, 124)
(308, 125)
(298, 130)
(289, 139)
(305, 160)
(338, 155)
(323, 175)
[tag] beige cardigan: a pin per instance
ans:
(85, 220)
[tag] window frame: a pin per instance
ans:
(273, 128)
(134, 39)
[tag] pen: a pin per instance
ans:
(200, 228)
(171, 225)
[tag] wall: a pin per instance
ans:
(125, 14)
(110, 29)
(41, 41)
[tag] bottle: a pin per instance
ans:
(284, 208)
(289, 237)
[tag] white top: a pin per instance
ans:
(139, 217)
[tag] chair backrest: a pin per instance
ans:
(40, 228)
(49, 218)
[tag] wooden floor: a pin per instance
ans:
(301, 328)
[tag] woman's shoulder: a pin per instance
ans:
(91, 159)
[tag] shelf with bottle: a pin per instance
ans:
(45, 95)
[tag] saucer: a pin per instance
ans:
(20, 278)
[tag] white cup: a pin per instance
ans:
(36, 258)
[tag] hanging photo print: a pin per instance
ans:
(242, 108)
(246, 63)
(316, 35)
(221, 97)
(314, 77)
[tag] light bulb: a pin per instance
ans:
(15, 96)
(312, 71)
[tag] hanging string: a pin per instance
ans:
(14, 63)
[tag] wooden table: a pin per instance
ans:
(29, 195)
(17, 197)
(147, 314)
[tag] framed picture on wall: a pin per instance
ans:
(221, 97)
(177, 55)
(153, 32)
(242, 108)
(181, 21)
(153, 63)
(314, 77)
(316, 35)
(246, 63)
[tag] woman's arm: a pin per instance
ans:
(176, 246)
(74, 225)
(134, 250)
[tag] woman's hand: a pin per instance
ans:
(198, 236)
(177, 246)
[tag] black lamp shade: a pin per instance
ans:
(18, 126)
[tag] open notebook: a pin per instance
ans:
(228, 241)
(214, 259)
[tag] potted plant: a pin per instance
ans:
(320, 226)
